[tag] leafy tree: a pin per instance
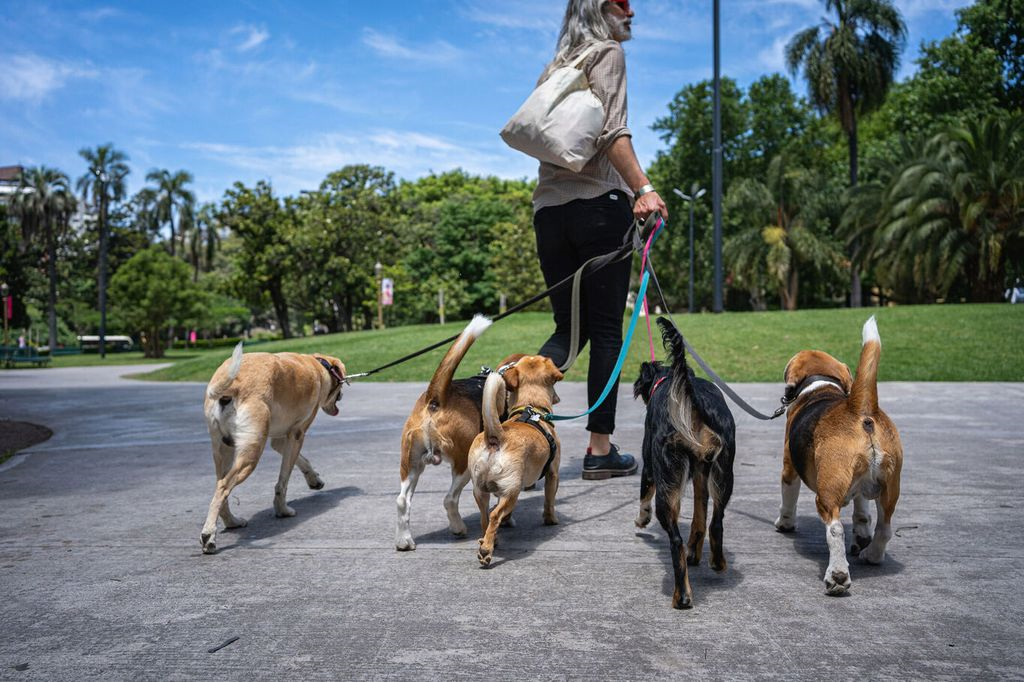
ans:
(204, 240)
(999, 25)
(951, 218)
(777, 231)
(104, 182)
(16, 255)
(172, 201)
(263, 263)
(44, 204)
(151, 291)
(849, 65)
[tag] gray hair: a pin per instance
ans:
(584, 22)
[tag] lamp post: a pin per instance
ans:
(102, 199)
(378, 271)
(695, 193)
(716, 163)
(5, 291)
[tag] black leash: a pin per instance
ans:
(718, 381)
(588, 268)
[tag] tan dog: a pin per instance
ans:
(844, 447)
(507, 456)
(261, 396)
(443, 423)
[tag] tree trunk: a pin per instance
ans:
(51, 272)
(173, 232)
(793, 288)
(855, 297)
(280, 308)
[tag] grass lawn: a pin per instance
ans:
(919, 343)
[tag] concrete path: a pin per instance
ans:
(101, 576)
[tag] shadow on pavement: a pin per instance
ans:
(265, 524)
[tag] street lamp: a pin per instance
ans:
(378, 271)
(695, 193)
(102, 177)
(5, 291)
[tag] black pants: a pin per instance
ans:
(568, 236)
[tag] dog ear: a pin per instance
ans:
(554, 374)
(645, 380)
(512, 378)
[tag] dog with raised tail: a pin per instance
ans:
(843, 447)
(259, 397)
(508, 456)
(689, 433)
(443, 423)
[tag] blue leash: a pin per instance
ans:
(623, 352)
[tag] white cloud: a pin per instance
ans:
(438, 52)
(253, 37)
(32, 78)
(538, 15)
(409, 154)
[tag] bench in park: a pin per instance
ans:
(12, 356)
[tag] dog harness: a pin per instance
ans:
(528, 414)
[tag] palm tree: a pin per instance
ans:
(204, 241)
(172, 199)
(953, 215)
(44, 204)
(849, 65)
(105, 182)
(778, 234)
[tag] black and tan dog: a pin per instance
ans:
(843, 447)
(443, 423)
(508, 456)
(261, 397)
(689, 433)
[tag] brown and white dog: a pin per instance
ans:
(258, 397)
(443, 423)
(507, 456)
(843, 447)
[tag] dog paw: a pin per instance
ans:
(860, 543)
(784, 525)
(550, 520)
(236, 522)
(643, 518)
(405, 544)
(682, 601)
(720, 564)
(872, 554)
(208, 543)
(692, 558)
(284, 511)
(484, 556)
(837, 581)
(458, 529)
(315, 482)
(509, 522)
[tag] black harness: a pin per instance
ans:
(528, 414)
(793, 392)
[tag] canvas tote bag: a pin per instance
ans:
(560, 120)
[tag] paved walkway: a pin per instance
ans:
(101, 574)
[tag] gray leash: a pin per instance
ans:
(718, 381)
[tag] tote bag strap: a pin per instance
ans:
(583, 55)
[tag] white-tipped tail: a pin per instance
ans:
(216, 390)
(492, 406)
(477, 326)
(870, 332)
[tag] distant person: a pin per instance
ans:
(581, 215)
(21, 341)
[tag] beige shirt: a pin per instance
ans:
(606, 70)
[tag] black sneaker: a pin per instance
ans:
(598, 468)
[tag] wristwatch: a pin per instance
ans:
(646, 189)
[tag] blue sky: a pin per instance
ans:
(289, 91)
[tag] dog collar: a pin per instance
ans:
(333, 371)
(656, 384)
(793, 392)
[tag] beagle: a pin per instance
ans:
(843, 447)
